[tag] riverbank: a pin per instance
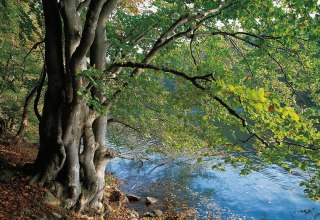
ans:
(19, 200)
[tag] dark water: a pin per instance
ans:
(270, 194)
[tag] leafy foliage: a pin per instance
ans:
(19, 66)
(260, 59)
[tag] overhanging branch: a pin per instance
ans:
(193, 79)
(119, 121)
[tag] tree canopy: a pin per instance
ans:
(240, 78)
(234, 79)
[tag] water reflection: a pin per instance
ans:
(270, 194)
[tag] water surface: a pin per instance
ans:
(271, 194)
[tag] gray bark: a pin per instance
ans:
(67, 121)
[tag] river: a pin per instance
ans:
(271, 194)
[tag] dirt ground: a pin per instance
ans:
(20, 200)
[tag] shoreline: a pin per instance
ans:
(24, 201)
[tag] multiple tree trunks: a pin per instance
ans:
(72, 154)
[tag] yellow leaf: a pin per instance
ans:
(259, 106)
(261, 95)
(294, 116)
(276, 102)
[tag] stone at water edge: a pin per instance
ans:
(133, 198)
(149, 214)
(133, 214)
(157, 212)
(151, 200)
(119, 197)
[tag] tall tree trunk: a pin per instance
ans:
(73, 155)
(98, 59)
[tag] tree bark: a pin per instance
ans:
(72, 154)
(98, 59)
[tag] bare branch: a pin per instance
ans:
(33, 48)
(24, 118)
(230, 110)
(193, 79)
(117, 120)
(244, 141)
(191, 50)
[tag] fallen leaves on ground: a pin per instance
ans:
(19, 200)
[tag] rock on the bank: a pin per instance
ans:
(150, 201)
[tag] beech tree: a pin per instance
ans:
(180, 71)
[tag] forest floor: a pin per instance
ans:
(20, 200)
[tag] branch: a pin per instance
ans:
(116, 120)
(133, 42)
(25, 57)
(83, 5)
(33, 48)
(244, 141)
(89, 30)
(191, 50)
(192, 79)
(243, 56)
(166, 39)
(39, 89)
(86, 41)
(285, 75)
(106, 11)
(290, 143)
(230, 110)
(268, 143)
(162, 42)
(24, 118)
